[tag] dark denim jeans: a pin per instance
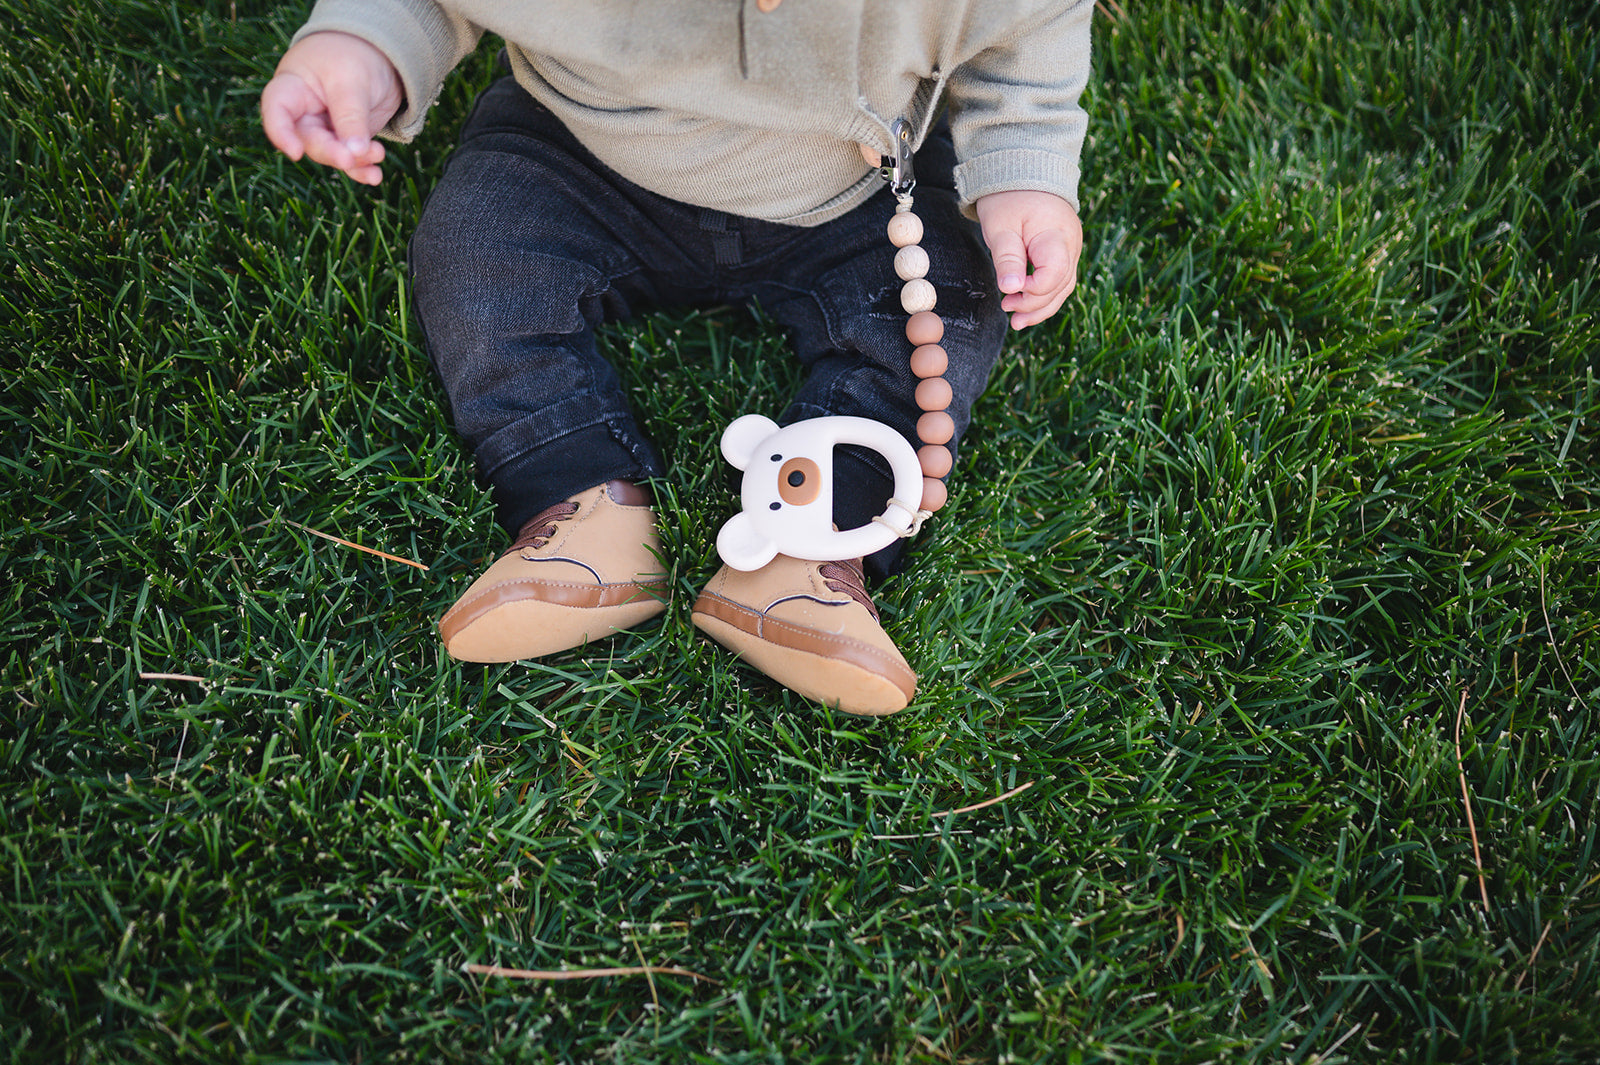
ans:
(528, 243)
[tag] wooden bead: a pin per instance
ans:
(905, 228)
(918, 295)
(929, 360)
(911, 262)
(934, 493)
(936, 427)
(935, 459)
(934, 394)
(925, 327)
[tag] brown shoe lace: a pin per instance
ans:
(849, 578)
(537, 530)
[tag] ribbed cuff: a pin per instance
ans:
(1013, 170)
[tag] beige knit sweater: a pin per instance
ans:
(722, 104)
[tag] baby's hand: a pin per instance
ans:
(1037, 228)
(330, 94)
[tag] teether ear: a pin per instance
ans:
(741, 439)
(743, 546)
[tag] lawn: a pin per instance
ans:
(1259, 644)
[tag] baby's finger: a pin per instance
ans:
(1048, 252)
(1035, 304)
(351, 124)
(1010, 259)
(321, 145)
(324, 146)
(366, 175)
(284, 102)
(1022, 318)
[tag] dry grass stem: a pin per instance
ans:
(582, 974)
(1020, 788)
(1526, 969)
(1551, 632)
(1466, 801)
(359, 547)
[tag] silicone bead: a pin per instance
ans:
(936, 427)
(918, 295)
(929, 360)
(935, 459)
(904, 228)
(934, 394)
(934, 493)
(925, 327)
(911, 262)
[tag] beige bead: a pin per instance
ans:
(936, 427)
(934, 493)
(925, 327)
(905, 228)
(911, 262)
(934, 394)
(918, 295)
(935, 459)
(929, 360)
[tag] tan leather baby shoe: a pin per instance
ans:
(811, 627)
(579, 571)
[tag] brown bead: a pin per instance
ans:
(925, 327)
(936, 427)
(933, 394)
(934, 493)
(935, 459)
(930, 360)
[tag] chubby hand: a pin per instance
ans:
(1037, 229)
(330, 94)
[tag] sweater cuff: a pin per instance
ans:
(1016, 169)
(418, 37)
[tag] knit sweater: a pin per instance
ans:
(721, 104)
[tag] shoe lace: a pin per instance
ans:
(537, 530)
(848, 577)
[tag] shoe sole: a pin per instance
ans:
(824, 678)
(532, 628)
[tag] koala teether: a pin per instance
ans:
(787, 491)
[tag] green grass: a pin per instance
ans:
(1296, 499)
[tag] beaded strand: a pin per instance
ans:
(924, 329)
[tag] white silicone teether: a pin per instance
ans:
(787, 492)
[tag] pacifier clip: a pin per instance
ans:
(924, 328)
(786, 493)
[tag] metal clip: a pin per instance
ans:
(896, 168)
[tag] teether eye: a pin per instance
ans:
(799, 482)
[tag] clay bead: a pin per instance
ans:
(934, 394)
(925, 327)
(911, 262)
(936, 427)
(934, 493)
(918, 295)
(929, 360)
(904, 229)
(935, 459)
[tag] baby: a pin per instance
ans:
(691, 152)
